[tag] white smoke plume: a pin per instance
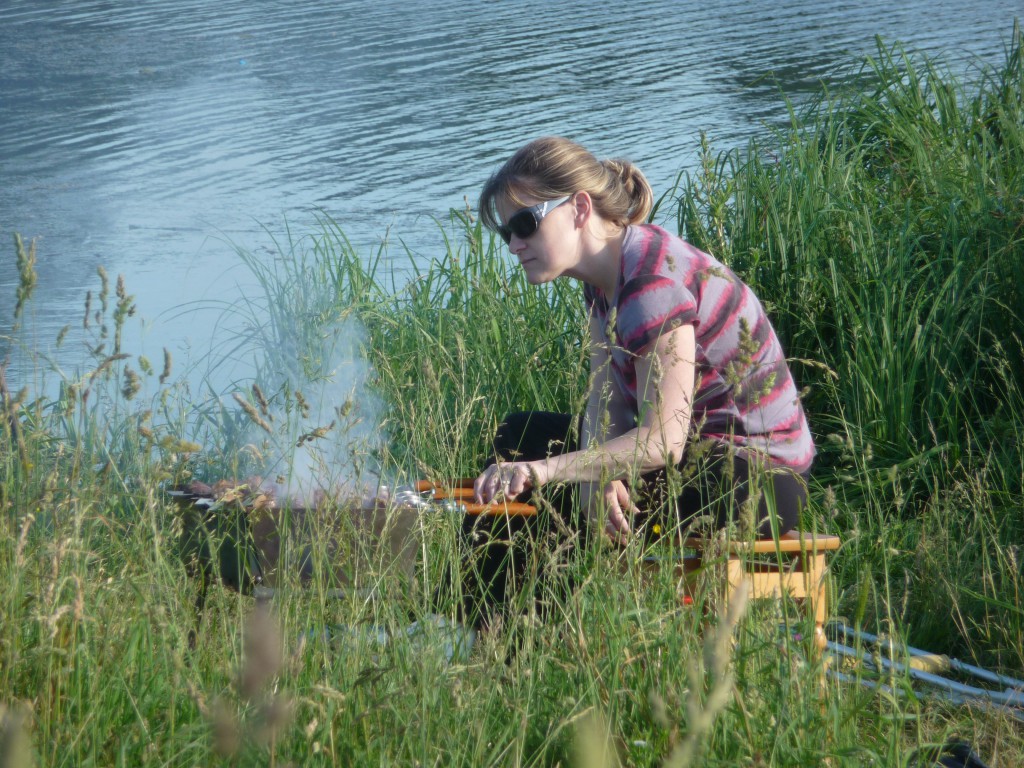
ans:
(323, 422)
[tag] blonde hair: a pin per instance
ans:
(553, 167)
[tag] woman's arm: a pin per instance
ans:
(665, 377)
(665, 380)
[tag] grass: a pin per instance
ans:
(883, 230)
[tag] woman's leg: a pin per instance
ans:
(531, 435)
(501, 547)
(756, 495)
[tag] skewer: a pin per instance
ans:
(462, 494)
(458, 499)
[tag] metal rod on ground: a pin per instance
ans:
(953, 698)
(935, 661)
(872, 685)
(1010, 698)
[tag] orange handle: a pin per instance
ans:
(462, 492)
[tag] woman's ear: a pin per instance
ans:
(583, 206)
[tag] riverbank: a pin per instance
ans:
(884, 233)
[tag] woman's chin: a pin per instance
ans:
(535, 276)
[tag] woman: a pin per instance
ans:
(686, 370)
(682, 354)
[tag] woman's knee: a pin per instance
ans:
(531, 435)
(508, 439)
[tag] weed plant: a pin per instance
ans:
(883, 230)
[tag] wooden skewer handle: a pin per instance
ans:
(462, 493)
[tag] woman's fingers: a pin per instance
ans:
(502, 481)
(487, 485)
(478, 486)
(620, 508)
(625, 502)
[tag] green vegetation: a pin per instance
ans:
(884, 231)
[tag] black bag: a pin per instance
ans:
(952, 754)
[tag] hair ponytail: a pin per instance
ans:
(636, 187)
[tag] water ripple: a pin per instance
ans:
(141, 131)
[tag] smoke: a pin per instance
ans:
(344, 405)
(323, 425)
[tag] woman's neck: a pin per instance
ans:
(601, 263)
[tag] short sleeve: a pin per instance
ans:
(649, 306)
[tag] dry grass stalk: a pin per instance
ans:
(106, 363)
(9, 408)
(701, 714)
(132, 383)
(263, 651)
(302, 403)
(27, 278)
(261, 401)
(594, 745)
(124, 309)
(15, 751)
(263, 662)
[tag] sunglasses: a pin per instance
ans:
(525, 221)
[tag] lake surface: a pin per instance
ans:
(153, 137)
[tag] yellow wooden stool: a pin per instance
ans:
(795, 565)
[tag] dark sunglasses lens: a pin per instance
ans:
(506, 234)
(523, 224)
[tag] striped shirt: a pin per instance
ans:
(744, 392)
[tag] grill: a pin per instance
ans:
(244, 534)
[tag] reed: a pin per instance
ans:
(883, 230)
(453, 346)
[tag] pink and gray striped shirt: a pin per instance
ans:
(744, 391)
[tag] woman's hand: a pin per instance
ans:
(506, 480)
(612, 506)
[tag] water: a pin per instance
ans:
(153, 138)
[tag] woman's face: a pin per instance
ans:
(553, 249)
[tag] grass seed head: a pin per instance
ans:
(132, 383)
(261, 401)
(27, 277)
(166, 373)
(252, 413)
